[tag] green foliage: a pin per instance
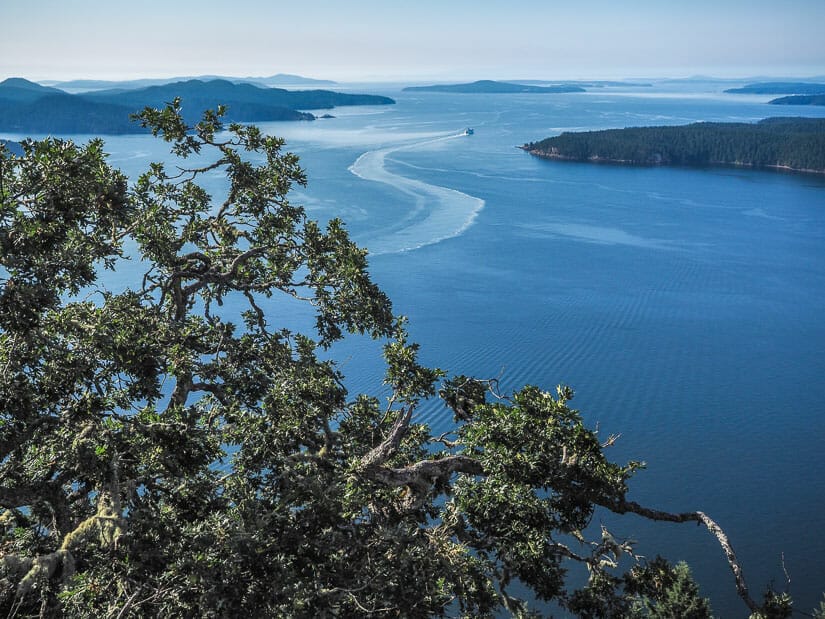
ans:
(167, 451)
(819, 613)
(775, 606)
(655, 590)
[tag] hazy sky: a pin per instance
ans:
(414, 39)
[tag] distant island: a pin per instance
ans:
(799, 100)
(779, 88)
(796, 144)
(491, 87)
(27, 107)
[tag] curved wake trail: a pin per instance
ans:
(438, 213)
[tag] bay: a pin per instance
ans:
(684, 306)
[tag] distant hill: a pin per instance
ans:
(63, 113)
(19, 90)
(26, 107)
(780, 88)
(800, 100)
(788, 143)
(281, 79)
(492, 87)
(243, 100)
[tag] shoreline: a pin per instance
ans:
(629, 162)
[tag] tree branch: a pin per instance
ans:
(623, 507)
(423, 473)
(389, 446)
(215, 276)
(48, 492)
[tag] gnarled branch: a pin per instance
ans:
(389, 445)
(421, 474)
(623, 507)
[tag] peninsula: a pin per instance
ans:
(27, 107)
(779, 88)
(799, 100)
(491, 87)
(796, 144)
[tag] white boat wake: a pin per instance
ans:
(438, 213)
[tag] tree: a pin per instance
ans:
(165, 450)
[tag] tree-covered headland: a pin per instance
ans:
(29, 108)
(799, 100)
(780, 143)
(171, 450)
(780, 88)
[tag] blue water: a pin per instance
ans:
(684, 306)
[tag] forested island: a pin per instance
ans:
(779, 88)
(493, 87)
(799, 100)
(27, 107)
(796, 144)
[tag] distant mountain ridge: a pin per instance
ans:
(280, 79)
(493, 87)
(22, 90)
(27, 107)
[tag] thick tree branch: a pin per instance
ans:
(219, 391)
(389, 446)
(48, 492)
(214, 276)
(423, 473)
(14, 441)
(181, 392)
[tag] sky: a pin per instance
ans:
(372, 40)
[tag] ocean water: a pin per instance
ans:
(684, 306)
